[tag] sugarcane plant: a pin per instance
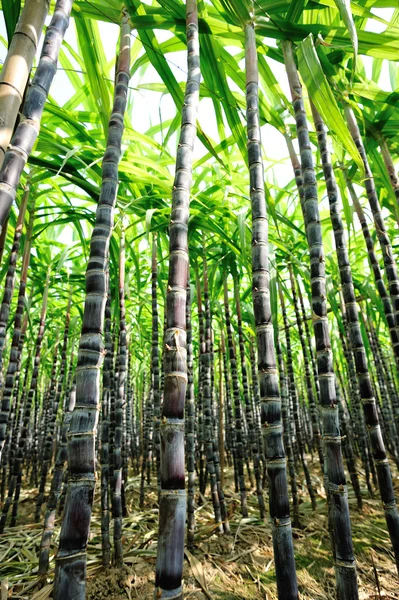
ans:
(71, 556)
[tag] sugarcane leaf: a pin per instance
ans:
(11, 12)
(198, 570)
(323, 98)
(344, 7)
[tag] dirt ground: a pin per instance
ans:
(239, 566)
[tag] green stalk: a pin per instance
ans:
(267, 372)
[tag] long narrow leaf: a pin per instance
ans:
(321, 94)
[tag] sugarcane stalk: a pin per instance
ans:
(26, 133)
(345, 567)
(56, 483)
(238, 434)
(70, 573)
(267, 372)
(118, 482)
(308, 378)
(248, 413)
(293, 393)
(359, 351)
(207, 399)
(16, 479)
(17, 66)
(10, 276)
(287, 438)
(377, 274)
(382, 234)
(155, 353)
(190, 418)
(46, 445)
(172, 504)
(15, 351)
(105, 502)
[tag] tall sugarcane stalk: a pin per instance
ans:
(248, 413)
(293, 393)
(70, 574)
(49, 442)
(267, 372)
(104, 459)
(172, 503)
(155, 352)
(56, 483)
(390, 167)
(118, 482)
(389, 434)
(358, 349)
(308, 377)
(309, 345)
(382, 235)
(238, 433)
(17, 66)
(231, 432)
(345, 567)
(207, 400)
(16, 478)
(27, 131)
(287, 438)
(190, 419)
(348, 449)
(377, 273)
(50, 409)
(10, 276)
(257, 405)
(15, 412)
(16, 348)
(200, 395)
(356, 403)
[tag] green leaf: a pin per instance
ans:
(11, 11)
(344, 8)
(323, 98)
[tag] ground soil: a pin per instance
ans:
(236, 567)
